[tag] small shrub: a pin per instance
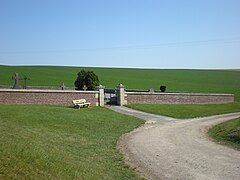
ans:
(163, 88)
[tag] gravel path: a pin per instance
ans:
(179, 149)
(149, 118)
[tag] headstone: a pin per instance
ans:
(151, 90)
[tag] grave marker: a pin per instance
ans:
(16, 77)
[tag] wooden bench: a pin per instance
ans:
(81, 103)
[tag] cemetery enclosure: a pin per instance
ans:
(96, 98)
(205, 81)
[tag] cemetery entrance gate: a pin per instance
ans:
(110, 97)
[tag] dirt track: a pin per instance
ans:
(181, 150)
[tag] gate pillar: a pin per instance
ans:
(121, 95)
(100, 88)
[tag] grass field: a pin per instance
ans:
(51, 142)
(187, 110)
(216, 81)
(227, 133)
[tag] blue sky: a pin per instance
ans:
(121, 33)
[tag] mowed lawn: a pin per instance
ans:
(215, 81)
(182, 111)
(52, 142)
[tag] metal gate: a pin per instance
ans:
(110, 96)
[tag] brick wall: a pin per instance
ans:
(52, 97)
(65, 97)
(177, 98)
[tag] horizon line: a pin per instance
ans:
(124, 67)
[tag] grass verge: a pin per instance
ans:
(227, 133)
(51, 142)
(182, 111)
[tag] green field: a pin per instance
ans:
(215, 81)
(183, 111)
(51, 142)
(227, 133)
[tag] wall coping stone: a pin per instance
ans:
(184, 94)
(47, 91)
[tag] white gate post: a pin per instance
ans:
(101, 88)
(121, 95)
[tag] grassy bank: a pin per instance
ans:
(187, 110)
(227, 133)
(50, 142)
(215, 81)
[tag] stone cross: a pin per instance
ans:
(25, 78)
(16, 77)
(62, 86)
(84, 87)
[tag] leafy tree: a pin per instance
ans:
(87, 78)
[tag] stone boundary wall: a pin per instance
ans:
(177, 98)
(96, 98)
(51, 97)
(40, 87)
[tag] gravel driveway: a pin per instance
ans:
(179, 149)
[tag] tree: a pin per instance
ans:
(163, 88)
(87, 78)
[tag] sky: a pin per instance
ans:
(121, 33)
